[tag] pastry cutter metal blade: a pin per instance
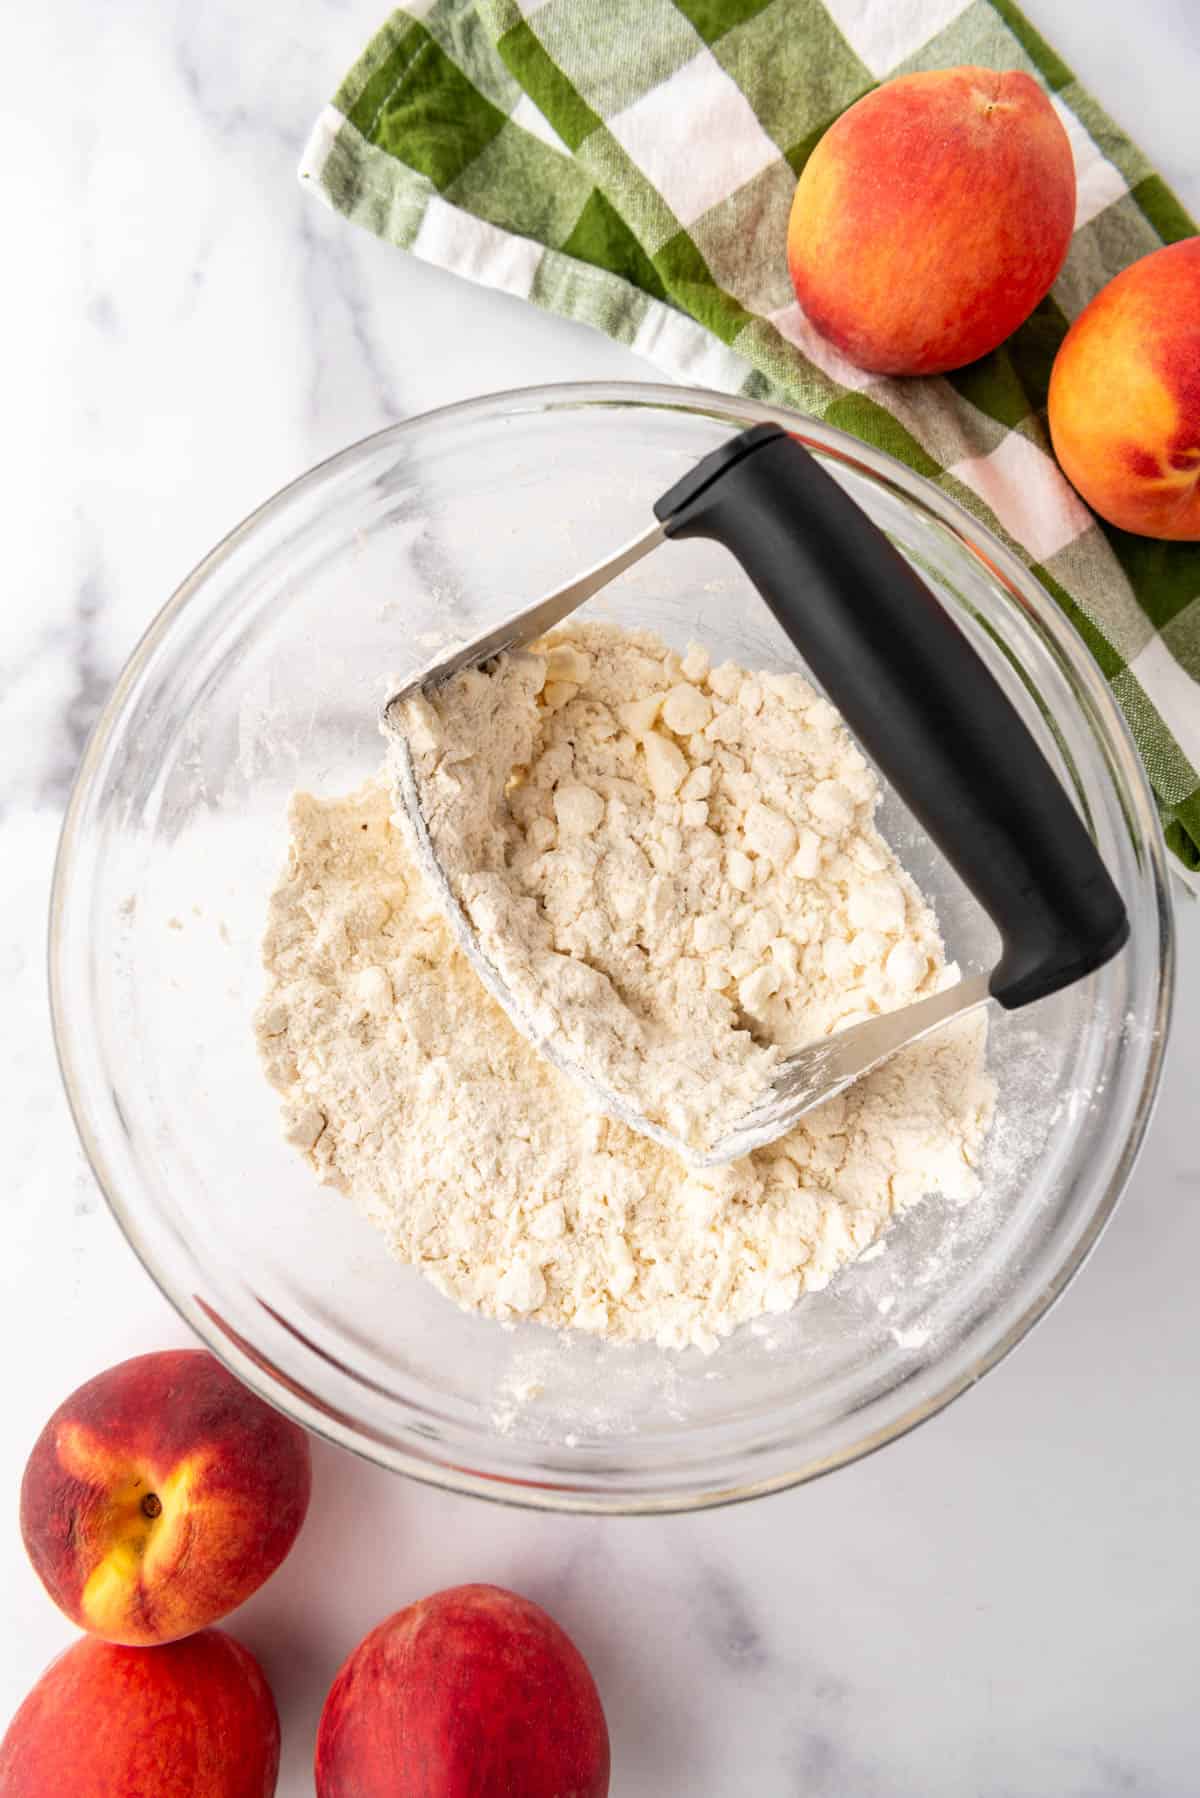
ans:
(920, 701)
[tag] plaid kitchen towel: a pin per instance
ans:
(631, 163)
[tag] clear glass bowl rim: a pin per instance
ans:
(308, 1408)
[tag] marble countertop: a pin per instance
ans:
(1001, 1606)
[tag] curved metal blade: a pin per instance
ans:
(810, 1075)
(525, 627)
(825, 1068)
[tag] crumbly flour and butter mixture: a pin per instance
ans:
(676, 870)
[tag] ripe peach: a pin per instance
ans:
(473, 1693)
(931, 218)
(160, 1495)
(1125, 397)
(192, 1720)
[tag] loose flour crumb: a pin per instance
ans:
(406, 1086)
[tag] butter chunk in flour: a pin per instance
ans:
(684, 876)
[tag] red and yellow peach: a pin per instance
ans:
(472, 1693)
(1125, 397)
(160, 1495)
(931, 218)
(192, 1719)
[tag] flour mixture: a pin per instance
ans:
(682, 873)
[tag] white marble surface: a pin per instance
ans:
(1004, 1604)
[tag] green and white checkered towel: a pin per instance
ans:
(631, 163)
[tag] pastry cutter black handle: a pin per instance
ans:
(919, 699)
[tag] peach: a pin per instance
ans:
(473, 1693)
(192, 1720)
(160, 1495)
(931, 218)
(1125, 397)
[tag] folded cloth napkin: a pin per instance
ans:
(631, 163)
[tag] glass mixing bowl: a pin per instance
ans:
(264, 673)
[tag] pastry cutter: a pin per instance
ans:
(920, 701)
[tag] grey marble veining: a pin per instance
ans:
(1002, 1605)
